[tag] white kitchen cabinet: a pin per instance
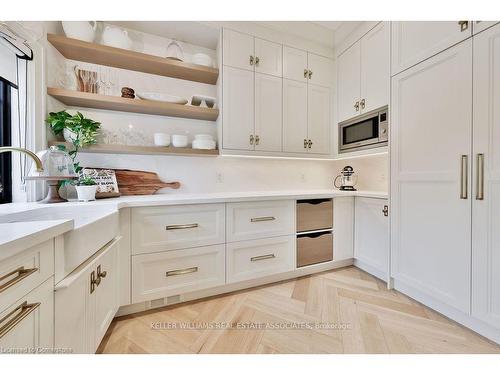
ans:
(320, 70)
(268, 57)
(268, 112)
(486, 191)
(431, 132)
(363, 74)
(28, 324)
(86, 301)
(478, 26)
(318, 119)
(294, 116)
(295, 64)
(415, 41)
(238, 50)
(371, 236)
(343, 228)
(238, 109)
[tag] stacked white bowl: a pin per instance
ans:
(204, 142)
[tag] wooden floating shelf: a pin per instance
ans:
(116, 103)
(139, 150)
(94, 53)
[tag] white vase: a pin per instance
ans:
(86, 193)
(69, 136)
(82, 30)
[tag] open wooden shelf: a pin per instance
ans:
(116, 103)
(94, 53)
(139, 150)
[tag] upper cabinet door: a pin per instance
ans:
(320, 70)
(375, 68)
(295, 64)
(318, 119)
(478, 26)
(348, 82)
(238, 50)
(268, 112)
(486, 154)
(238, 109)
(415, 41)
(294, 116)
(268, 57)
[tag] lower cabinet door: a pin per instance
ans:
(27, 326)
(174, 272)
(253, 259)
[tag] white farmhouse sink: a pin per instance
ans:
(94, 226)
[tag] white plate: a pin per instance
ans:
(159, 97)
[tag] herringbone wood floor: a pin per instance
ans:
(379, 321)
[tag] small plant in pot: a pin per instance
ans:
(86, 188)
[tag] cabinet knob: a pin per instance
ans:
(309, 143)
(251, 139)
(305, 143)
(252, 60)
(306, 72)
(100, 273)
(310, 74)
(385, 211)
(257, 139)
(257, 61)
(363, 103)
(464, 25)
(356, 106)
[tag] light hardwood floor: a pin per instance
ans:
(376, 320)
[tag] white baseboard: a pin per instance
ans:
(303, 271)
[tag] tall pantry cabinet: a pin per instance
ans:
(445, 173)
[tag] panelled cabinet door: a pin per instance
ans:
(294, 116)
(269, 57)
(486, 151)
(348, 82)
(478, 26)
(375, 68)
(238, 49)
(371, 236)
(294, 64)
(415, 41)
(431, 129)
(320, 70)
(343, 224)
(318, 119)
(268, 112)
(238, 109)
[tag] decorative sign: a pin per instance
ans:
(107, 186)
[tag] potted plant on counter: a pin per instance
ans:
(86, 188)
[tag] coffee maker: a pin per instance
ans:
(347, 179)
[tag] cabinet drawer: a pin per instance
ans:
(253, 259)
(314, 214)
(252, 220)
(25, 271)
(174, 272)
(314, 248)
(28, 323)
(156, 229)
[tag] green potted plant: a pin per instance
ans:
(86, 188)
(76, 129)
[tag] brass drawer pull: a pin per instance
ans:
(464, 181)
(262, 257)
(480, 177)
(22, 274)
(264, 218)
(181, 272)
(464, 25)
(181, 226)
(12, 319)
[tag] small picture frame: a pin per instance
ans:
(107, 185)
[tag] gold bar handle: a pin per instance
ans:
(12, 319)
(464, 180)
(22, 274)
(262, 257)
(480, 177)
(181, 272)
(264, 218)
(181, 226)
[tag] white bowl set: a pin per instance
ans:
(201, 141)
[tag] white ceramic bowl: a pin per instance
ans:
(203, 144)
(202, 59)
(179, 140)
(162, 139)
(159, 97)
(203, 137)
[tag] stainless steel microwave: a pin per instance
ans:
(370, 130)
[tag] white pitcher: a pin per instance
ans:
(116, 37)
(82, 30)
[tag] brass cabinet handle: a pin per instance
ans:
(464, 180)
(306, 72)
(181, 226)
(263, 218)
(251, 139)
(480, 177)
(252, 60)
(181, 272)
(464, 25)
(305, 143)
(356, 106)
(257, 140)
(262, 257)
(310, 74)
(22, 273)
(309, 143)
(12, 319)
(257, 61)
(362, 103)
(100, 273)
(385, 211)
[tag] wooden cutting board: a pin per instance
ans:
(141, 182)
